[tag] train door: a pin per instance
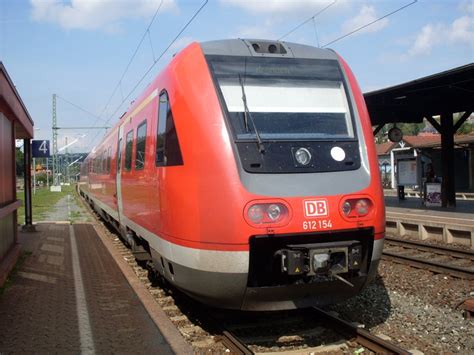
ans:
(119, 173)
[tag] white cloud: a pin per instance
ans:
(366, 15)
(95, 14)
(425, 40)
(262, 30)
(281, 6)
(467, 6)
(461, 30)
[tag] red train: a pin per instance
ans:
(246, 175)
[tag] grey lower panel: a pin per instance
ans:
(218, 289)
(224, 290)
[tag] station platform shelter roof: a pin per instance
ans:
(449, 91)
(442, 94)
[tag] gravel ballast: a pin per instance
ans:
(415, 309)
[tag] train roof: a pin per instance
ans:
(265, 48)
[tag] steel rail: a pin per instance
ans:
(234, 344)
(434, 266)
(362, 336)
(457, 253)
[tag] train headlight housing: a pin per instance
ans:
(262, 214)
(356, 207)
(303, 156)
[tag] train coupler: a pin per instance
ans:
(329, 259)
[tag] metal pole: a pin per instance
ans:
(47, 173)
(55, 143)
(34, 176)
(28, 205)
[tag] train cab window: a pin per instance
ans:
(168, 152)
(128, 151)
(140, 146)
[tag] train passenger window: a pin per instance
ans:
(109, 157)
(104, 162)
(168, 152)
(119, 155)
(140, 148)
(128, 151)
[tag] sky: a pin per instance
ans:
(79, 49)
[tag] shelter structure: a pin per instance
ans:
(15, 123)
(442, 94)
(428, 147)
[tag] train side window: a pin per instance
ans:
(140, 146)
(128, 151)
(119, 155)
(109, 157)
(168, 152)
(104, 162)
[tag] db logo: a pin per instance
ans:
(315, 208)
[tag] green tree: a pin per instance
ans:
(411, 129)
(20, 166)
(466, 128)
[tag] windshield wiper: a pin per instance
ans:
(248, 116)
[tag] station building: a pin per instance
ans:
(15, 123)
(429, 147)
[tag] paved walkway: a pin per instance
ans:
(412, 205)
(67, 209)
(70, 296)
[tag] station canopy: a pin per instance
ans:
(450, 91)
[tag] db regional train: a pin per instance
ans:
(246, 176)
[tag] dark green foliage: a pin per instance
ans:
(19, 162)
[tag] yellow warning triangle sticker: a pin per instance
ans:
(297, 269)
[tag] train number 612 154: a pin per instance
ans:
(315, 225)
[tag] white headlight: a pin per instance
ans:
(303, 156)
(274, 212)
(346, 208)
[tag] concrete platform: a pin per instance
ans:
(69, 295)
(450, 225)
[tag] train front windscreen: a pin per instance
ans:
(284, 98)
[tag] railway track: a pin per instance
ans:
(226, 331)
(439, 259)
(241, 338)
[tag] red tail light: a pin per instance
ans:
(261, 214)
(357, 207)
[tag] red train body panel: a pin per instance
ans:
(187, 202)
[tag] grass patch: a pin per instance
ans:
(11, 277)
(42, 202)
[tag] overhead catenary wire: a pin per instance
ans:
(306, 21)
(160, 56)
(196, 13)
(119, 83)
(369, 24)
(79, 108)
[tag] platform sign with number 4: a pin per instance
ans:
(40, 149)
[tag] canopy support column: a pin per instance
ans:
(448, 191)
